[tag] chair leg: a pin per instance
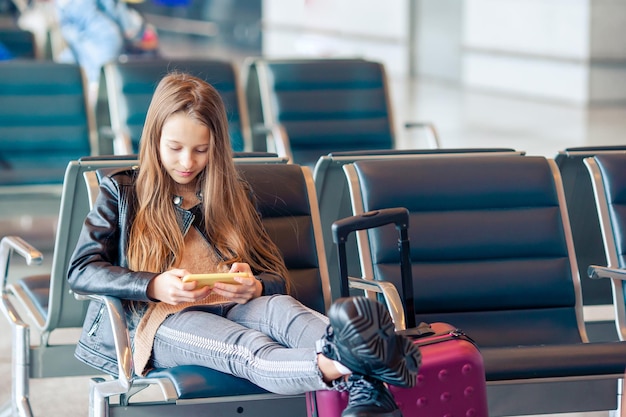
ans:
(100, 392)
(621, 399)
(97, 401)
(19, 404)
(20, 364)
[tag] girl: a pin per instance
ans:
(185, 210)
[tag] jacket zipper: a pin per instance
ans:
(96, 322)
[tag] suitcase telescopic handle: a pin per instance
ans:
(369, 220)
(399, 216)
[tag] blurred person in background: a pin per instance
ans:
(99, 31)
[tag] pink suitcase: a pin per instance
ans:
(451, 379)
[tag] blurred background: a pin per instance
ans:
(535, 75)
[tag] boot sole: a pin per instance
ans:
(368, 344)
(370, 413)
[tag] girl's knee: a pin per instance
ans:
(286, 301)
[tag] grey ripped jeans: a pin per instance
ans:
(269, 341)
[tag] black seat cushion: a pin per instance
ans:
(192, 381)
(557, 361)
(37, 287)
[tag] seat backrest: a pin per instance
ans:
(286, 199)
(44, 122)
(584, 218)
(64, 311)
(130, 85)
(324, 105)
(608, 176)
(259, 158)
(19, 42)
(491, 248)
(334, 197)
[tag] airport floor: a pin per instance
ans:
(463, 117)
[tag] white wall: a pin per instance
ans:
(371, 29)
(566, 51)
(536, 48)
(439, 39)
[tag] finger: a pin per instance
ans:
(241, 267)
(188, 286)
(233, 291)
(232, 288)
(248, 281)
(179, 272)
(199, 293)
(186, 298)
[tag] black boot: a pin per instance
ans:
(369, 397)
(361, 336)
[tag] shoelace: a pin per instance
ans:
(361, 391)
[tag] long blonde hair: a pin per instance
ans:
(231, 220)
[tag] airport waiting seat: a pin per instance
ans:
(44, 304)
(588, 243)
(46, 298)
(286, 199)
(334, 198)
(259, 158)
(608, 176)
(19, 42)
(44, 124)
(492, 253)
(306, 108)
(127, 87)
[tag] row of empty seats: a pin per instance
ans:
(492, 253)
(44, 123)
(587, 234)
(127, 88)
(300, 109)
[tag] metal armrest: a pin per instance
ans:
(390, 294)
(433, 136)
(20, 330)
(598, 272)
(121, 337)
(277, 135)
(127, 383)
(10, 244)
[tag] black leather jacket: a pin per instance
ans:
(99, 266)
